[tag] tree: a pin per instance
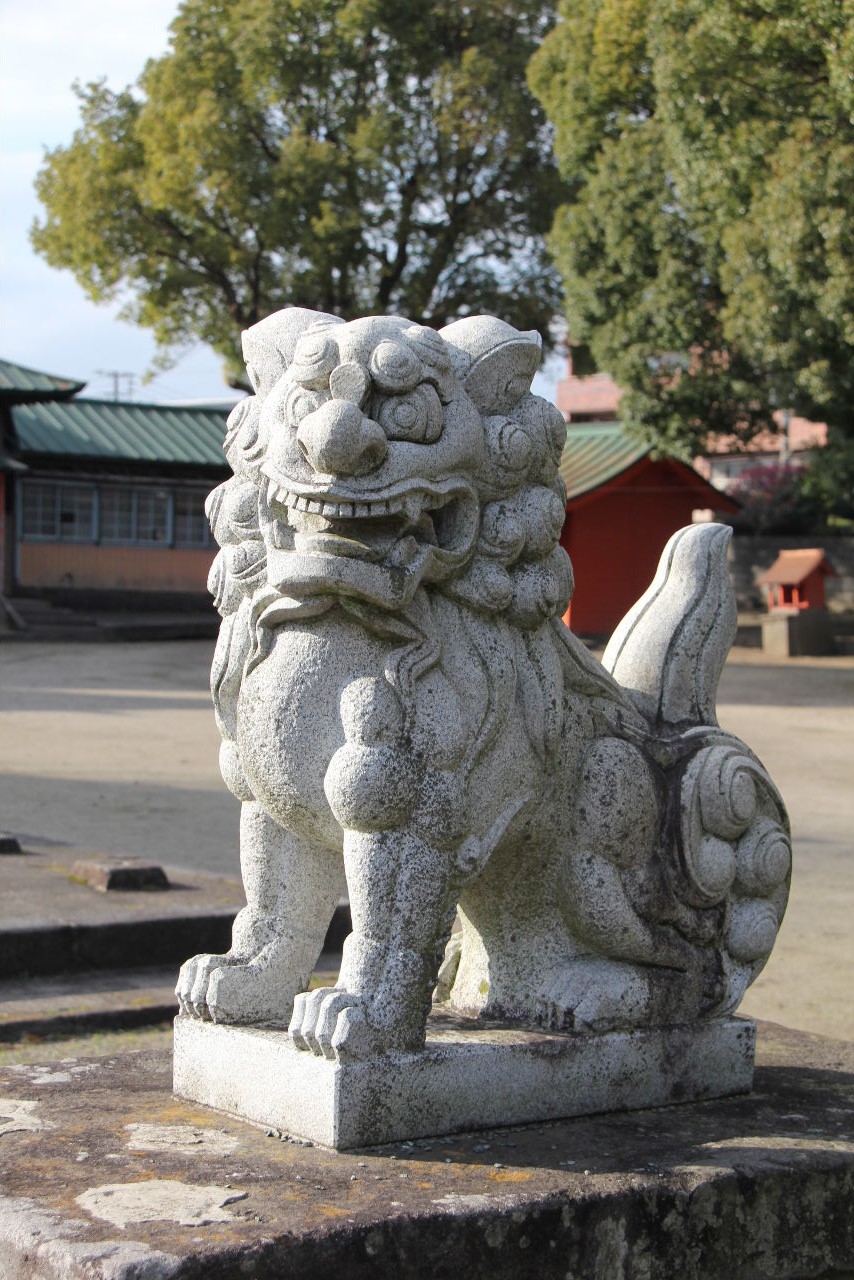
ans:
(356, 156)
(707, 242)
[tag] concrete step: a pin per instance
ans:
(29, 951)
(113, 1000)
(54, 924)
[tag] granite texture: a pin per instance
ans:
(404, 715)
(466, 1077)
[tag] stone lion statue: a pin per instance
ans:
(405, 717)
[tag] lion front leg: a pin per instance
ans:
(292, 886)
(402, 915)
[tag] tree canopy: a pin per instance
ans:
(356, 156)
(707, 242)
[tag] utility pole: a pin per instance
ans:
(116, 375)
(785, 437)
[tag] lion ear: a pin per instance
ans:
(494, 361)
(268, 347)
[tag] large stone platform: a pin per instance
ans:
(467, 1077)
(106, 1176)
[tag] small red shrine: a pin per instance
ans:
(623, 505)
(795, 580)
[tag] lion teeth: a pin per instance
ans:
(278, 495)
(412, 507)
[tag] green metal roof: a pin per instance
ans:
(595, 453)
(112, 431)
(20, 385)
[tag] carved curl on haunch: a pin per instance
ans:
(405, 717)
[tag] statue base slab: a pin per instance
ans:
(470, 1075)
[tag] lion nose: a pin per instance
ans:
(337, 439)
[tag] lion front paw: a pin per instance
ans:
(193, 981)
(224, 989)
(333, 1023)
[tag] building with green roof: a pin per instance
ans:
(104, 496)
(622, 506)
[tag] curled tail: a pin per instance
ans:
(669, 650)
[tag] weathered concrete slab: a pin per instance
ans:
(118, 1180)
(53, 923)
(467, 1077)
(111, 873)
(50, 923)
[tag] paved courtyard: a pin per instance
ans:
(113, 748)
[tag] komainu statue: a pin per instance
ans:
(405, 717)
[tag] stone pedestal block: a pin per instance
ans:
(467, 1077)
(797, 635)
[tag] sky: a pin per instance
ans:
(46, 320)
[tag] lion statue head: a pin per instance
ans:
(377, 456)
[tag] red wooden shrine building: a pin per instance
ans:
(622, 507)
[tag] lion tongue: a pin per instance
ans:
(403, 552)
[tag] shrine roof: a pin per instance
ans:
(793, 566)
(595, 453)
(22, 385)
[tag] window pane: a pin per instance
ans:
(116, 515)
(38, 510)
(75, 513)
(191, 523)
(151, 515)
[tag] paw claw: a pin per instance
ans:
(193, 982)
(328, 1020)
(304, 1020)
(297, 1019)
(353, 1037)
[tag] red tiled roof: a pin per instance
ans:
(793, 566)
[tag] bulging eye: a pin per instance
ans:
(416, 417)
(300, 402)
(315, 356)
(394, 368)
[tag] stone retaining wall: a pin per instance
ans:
(751, 555)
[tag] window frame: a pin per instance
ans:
(58, 487)
(95, 535)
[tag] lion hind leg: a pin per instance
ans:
(595, 994)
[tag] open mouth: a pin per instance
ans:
(396, 527)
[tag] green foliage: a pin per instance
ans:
(357, 156)
(829, 482)
(707, 244)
